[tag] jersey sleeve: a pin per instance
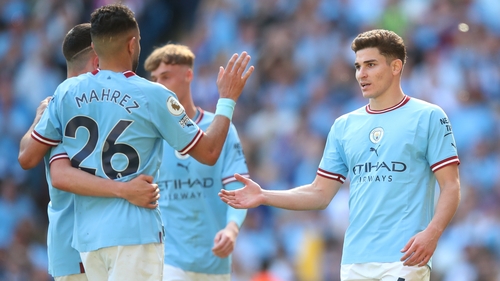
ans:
(441, 149)
(171, 120)
(234, 159)
(333, 165)
(48, 129)
(57, 153)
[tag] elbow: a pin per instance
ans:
(210, 158)
(26, 162)
(323, 204)
(59, 182)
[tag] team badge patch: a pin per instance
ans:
(376, 135)
(174, 106)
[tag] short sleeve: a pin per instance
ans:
(333, 165)
(441, 148)
(171, 120)
(57, 153)
(48, 130)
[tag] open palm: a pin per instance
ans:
(249, 196)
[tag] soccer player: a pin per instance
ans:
(64, 261)
(112, 123)
(393, 150)
(200, 230)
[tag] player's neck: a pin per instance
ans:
(189, 107)
(115, 66)
(387, 99)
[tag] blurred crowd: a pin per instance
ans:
(304, 79)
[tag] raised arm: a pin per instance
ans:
(140, 191)
(31, 152)
(230, 83)
(314, 196)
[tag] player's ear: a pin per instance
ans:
(95, 62)
(132, 44)
(396, 66)
(189, 75)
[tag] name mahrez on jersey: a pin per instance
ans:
(107, 95)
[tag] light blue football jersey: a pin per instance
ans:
(113, 125)
(63, 259)
(190, 206)
(389, 156)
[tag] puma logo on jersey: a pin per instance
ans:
(374, 150)
(184, 166)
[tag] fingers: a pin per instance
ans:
(223, 247)
(406, 255)
(146, 178)
(221, 73)
(248, 73)
(241, 179)
(152, 205)
(231, 62)
(241, 63)
(424, 261)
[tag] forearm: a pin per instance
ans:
(76, 181)
(446, 207)
(27, 159)
(306, 197)
(27, 137)
(208, 149)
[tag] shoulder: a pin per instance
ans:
(344, 118)
(145, 83)
(68, 85)
(422, 105)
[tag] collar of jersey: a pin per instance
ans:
(126, 73)
(398, 105)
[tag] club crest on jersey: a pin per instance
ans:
(180, 156)
(376, 135)
(174, 106)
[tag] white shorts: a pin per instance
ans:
(72, 277)
(171, 273)
(387, 271)
(125, 263)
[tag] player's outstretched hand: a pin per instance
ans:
(142, 192)
(420, 248)
(249, 196)
(231, 80)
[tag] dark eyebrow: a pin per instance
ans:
(366, 62)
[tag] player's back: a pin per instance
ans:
(113, 126)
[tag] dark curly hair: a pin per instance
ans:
(77, 42)
(387, 42)
(111, 20)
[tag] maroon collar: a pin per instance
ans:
(398, 105)
(127, 73)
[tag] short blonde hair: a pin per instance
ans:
(169, 54)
